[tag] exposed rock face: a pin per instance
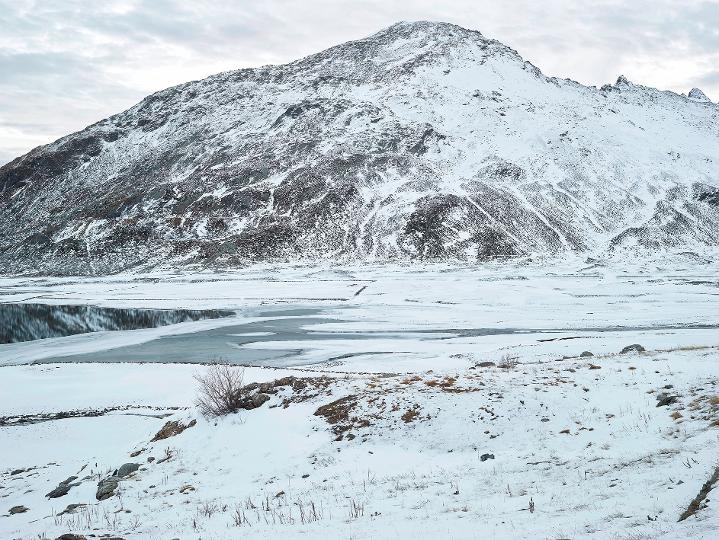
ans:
(63, 488)
(425, 140)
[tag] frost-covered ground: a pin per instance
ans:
(414, 436)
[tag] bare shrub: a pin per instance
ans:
(508, 362)
(207, 509)
(220, 390)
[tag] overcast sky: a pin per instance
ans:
(67, 63)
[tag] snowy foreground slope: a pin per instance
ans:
(423, 140)
(438, 428)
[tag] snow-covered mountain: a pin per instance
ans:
(425, 140)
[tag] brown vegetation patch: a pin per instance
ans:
(696, 504)
(338, 414)
(410, 415)
(445, 383)
(172, 428)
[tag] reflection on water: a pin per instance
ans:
(26, 322)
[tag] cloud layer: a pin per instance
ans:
(64, 65)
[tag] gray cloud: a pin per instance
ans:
(64, 65)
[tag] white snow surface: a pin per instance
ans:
(580, 441)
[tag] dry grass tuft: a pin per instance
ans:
(410, 415)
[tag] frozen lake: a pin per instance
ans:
(350, 318)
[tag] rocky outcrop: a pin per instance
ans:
(63, 488)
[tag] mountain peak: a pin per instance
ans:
(698, 95)
(427, 26)
(424, 31)
(399, 49)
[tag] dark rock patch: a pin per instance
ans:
(106, 488)
(126, 470)
(20, 509)
(664, 400)
(632, 348)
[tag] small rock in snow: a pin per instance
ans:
(635, 347)
(20, 509)
(663, 400)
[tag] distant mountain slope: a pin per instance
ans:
(425, 140)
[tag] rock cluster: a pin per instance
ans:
(107, 486)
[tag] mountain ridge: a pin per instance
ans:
(424, 140)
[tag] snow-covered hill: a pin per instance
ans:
(425, 140)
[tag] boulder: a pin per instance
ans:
(259, 398)
(664, 400)
(294, 382)
(126, 469)
(486, 364)
(635, 347)
(72, 508)
(20, 509)
(285, 381)
(267, 388)
(255, 400)
(106, 488)
(586, 354)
